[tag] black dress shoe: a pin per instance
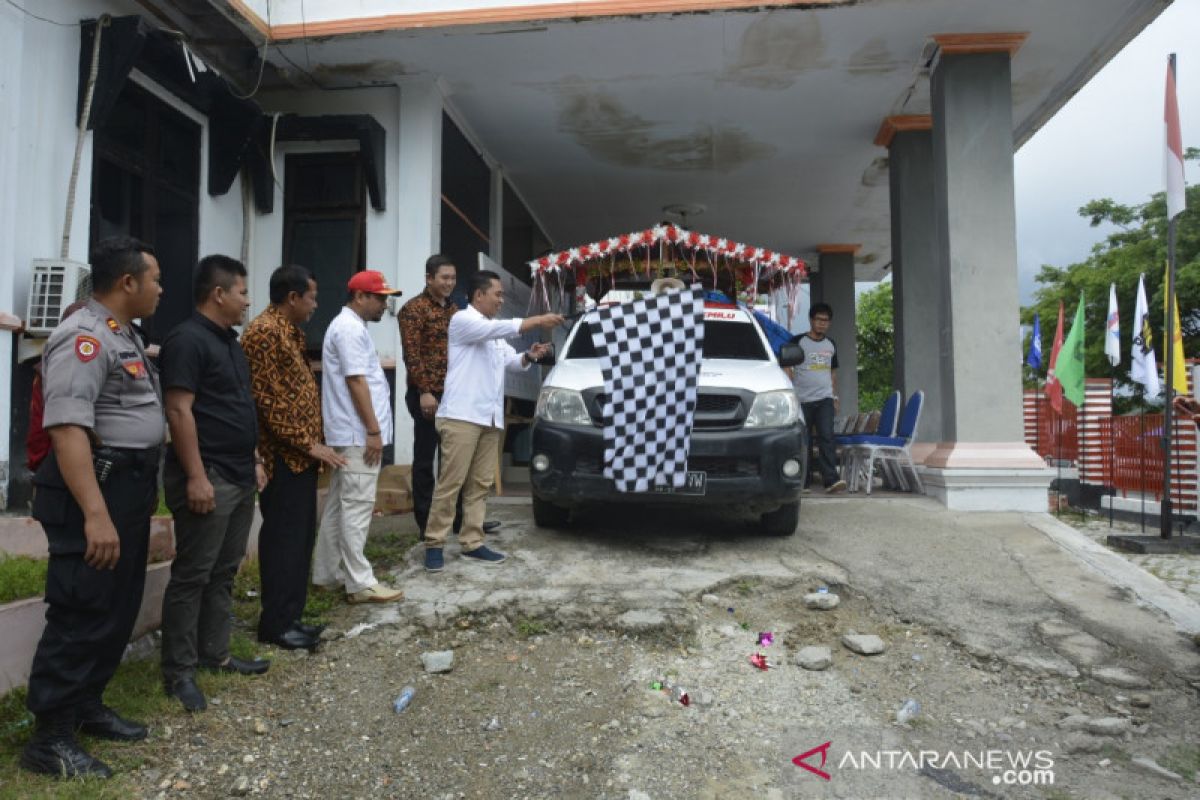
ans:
(54, 751)
(312, 630)
(256, 667)
(293, 639)
(491, 525)
(97, 719)
(187, 692)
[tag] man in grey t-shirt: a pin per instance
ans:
(815, 381)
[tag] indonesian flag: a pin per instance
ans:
(1054, 389)
(1173, 152)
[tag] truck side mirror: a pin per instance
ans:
(790, 355)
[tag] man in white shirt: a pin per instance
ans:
(470, 417)
(357, 410)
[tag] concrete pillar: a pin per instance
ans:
(983, 462)
(419, 209)
(836, 284)
(12, 196)
(916, 278)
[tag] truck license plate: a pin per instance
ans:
(694, 484)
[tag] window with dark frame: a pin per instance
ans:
(466, 203)
(146, 183)
(324, 228)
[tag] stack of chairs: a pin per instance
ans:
(889, 446)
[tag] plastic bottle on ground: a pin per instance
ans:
(401, 702)
(908, 711)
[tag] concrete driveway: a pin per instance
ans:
(993, 581)
(1015, 632)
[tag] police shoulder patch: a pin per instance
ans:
(86, 348)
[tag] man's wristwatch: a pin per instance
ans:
(374, 433)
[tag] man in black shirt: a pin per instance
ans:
(209, 478)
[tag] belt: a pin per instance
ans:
(126, 457)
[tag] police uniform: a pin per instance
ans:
(96, 375)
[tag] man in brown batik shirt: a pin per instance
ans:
(291, 447)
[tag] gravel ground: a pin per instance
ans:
(534, 712)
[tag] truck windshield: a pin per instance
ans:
(734, 340)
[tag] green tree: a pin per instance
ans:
(876, 337)
(1138, 245)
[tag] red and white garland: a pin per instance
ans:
(766, 262)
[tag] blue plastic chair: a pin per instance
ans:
(889, 417)
(892, 452)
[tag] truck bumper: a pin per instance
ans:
(743, 469)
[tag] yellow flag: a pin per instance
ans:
(1179, 375)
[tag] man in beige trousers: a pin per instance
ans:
(470, 417)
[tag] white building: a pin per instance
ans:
(863, 135)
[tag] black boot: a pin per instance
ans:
(96, 719)
(54, 751)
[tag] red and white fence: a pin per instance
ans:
(1124, 453)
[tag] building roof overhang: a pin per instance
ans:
(771, 115)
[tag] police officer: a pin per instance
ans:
(94, 497)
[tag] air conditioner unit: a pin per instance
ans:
(57, 283)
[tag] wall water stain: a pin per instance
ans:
(616, 135)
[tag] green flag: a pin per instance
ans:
(1069, 369)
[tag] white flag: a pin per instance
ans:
(1112, 331)
(1145, 368)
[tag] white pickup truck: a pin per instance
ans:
(748, 448)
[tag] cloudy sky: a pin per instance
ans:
(1107, 141)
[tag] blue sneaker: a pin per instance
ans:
(434, 562)
(485, 556)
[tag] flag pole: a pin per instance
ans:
(1037, 414)
(1142, 449)
(1058, 463)
(1112, 445)
(1165, 520)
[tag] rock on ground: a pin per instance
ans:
(1152, 767)
(814, 658)
(1108, 726)
(821, 601)
(1119, 676)
(865, 644)
(438, 661)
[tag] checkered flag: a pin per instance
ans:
(650, 352)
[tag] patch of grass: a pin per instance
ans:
(244, 647)
(15, 721)
(134, 691)
(21, 577)
(320, 605)
(247, 589)
(247, 599)
(1116, 754)
(1183, 759)
(385, 550)
(528, 628)
(162, 510)
(746, 587)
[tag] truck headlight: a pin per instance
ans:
(564, 406)
(776, 409)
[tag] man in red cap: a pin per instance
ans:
(357, 410)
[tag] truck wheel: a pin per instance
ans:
(548, 515)
(783, 521)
